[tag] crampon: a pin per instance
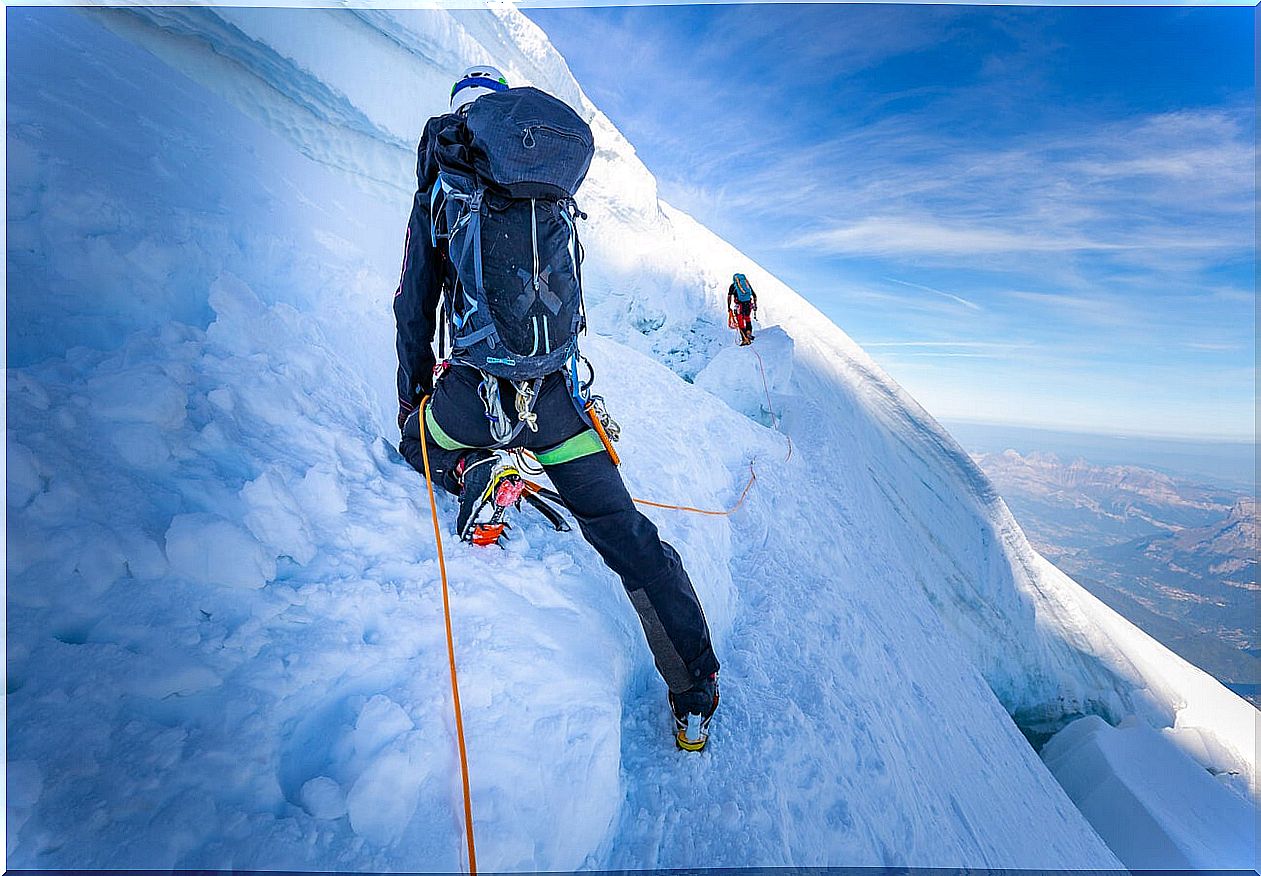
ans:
(487, 524)
(693, 711)
(505, 488)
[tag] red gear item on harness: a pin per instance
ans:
(509, 491)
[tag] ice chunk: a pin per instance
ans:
(383, 798)
(140, 445)
(1154, 806)
(321, 491)
(140, 395)
(274, 518)
(22, 475)
(750, 379)
(159, 679)
(322, 797)
(208, 549)
(380, 721)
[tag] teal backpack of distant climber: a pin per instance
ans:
(744, 292)
(517, 309)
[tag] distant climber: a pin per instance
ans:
(742, 307)
(492, 244)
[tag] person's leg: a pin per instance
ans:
(443, 462)
(454, 408)
(650, 569)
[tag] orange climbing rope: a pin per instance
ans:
(770, 408)
(752, 474)
(446, 613)
(729, 511)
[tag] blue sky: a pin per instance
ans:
(1040, 216)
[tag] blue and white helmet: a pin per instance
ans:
(473, 83)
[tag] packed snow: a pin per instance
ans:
(1156, 807)
(225, 642)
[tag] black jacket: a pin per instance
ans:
(425, 267)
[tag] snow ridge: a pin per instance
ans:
(222, 611)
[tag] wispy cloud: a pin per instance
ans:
(1207, 347)
(1171, 193)
(1102, 212)
(978, 345)
(1098, 308)
(897, 235)
(949, 295)
(954, 354)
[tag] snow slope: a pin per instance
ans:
(224, 635)
(1155, 809)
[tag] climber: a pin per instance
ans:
(511, 313)
(742, 307)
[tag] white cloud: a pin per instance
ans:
(895, 235)
(948, 295)
(1165, 193)
(977, 345)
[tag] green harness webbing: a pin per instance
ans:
(583, 444)
(442, 439)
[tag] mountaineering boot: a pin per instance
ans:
(693, 709)
(490, 485)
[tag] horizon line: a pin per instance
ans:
(1179, 437)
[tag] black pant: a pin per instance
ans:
(593, 492)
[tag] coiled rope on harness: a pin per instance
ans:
(455, 682)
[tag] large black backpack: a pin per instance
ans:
(517, 307)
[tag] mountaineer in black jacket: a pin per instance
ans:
(464, 456)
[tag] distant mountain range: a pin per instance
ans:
(1176, 557)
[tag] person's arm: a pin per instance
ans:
(419, 288)
(753, 298)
